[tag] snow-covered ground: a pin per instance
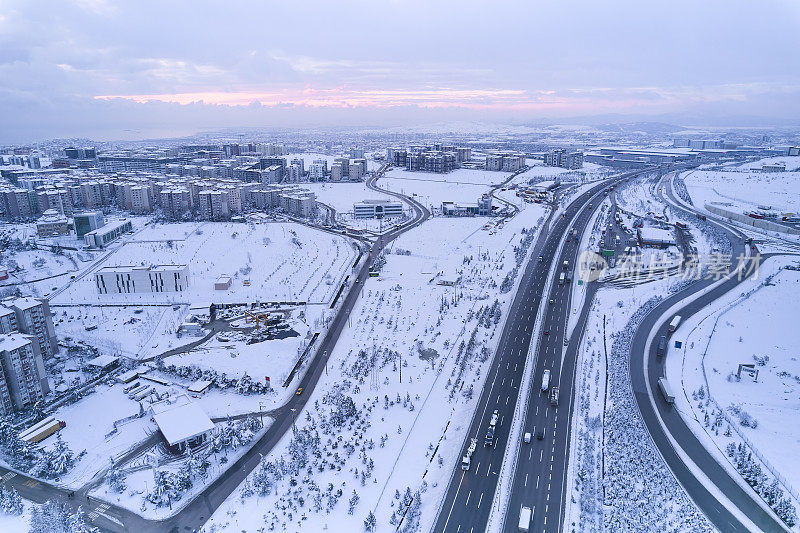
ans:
(431, 189)
(610, 476)
(754, 325)
(742, 190)
(341, 196)
(395, 439)
(282, 261)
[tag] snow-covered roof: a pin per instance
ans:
(199, 385)
(102, 361)
(13, 341)
(657, 235)
(182, 423)
(23, 302)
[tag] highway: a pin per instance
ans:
(467, 503)
(657, 321)
(192, 517)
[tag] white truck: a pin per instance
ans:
(525, 519)
(467, 459)
(545, 380)
(673, 325)
(666, 391)
(561, 278)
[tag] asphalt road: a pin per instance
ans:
(467, 502)
(717, 513)
(199, 510)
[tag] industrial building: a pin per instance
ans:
(141, 279)
(102, 236)
(377, 209)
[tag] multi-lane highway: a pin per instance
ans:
(467, 502)
(198, 511)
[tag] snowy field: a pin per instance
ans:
(274, 358)
(282, 261)
(431, 189)
(364, 421)
(753, 325)
(342, 196)
(122, 330)
(742, 190)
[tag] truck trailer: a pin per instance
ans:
(673, 325)
(525, 519)
(666, 391)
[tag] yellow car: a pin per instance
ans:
(299, 391)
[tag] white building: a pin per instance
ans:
(377, 209)
(140, 279)
(102, 236)
(184, 426)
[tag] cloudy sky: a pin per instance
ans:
(139, 68)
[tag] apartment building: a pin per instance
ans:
(562, 158)
(23, 380)
(16, 202)
(32, 317)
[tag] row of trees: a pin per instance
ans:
(37, 461)
(244, 385)
(768, 489)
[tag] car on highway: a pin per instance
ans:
(547, 332)
(526, 438)
(541, 258)
(489, 439)
(540, 434)
(299, 391)
(554, 396)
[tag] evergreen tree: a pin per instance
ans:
(370, 523)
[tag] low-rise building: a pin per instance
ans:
(377, 209)
(141, 279)
(184, 426)
(51, 224)
(104, 235)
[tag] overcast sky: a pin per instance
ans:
(124, 69)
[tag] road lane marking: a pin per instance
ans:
(467, 502)
(454, 502)
(480, 500)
